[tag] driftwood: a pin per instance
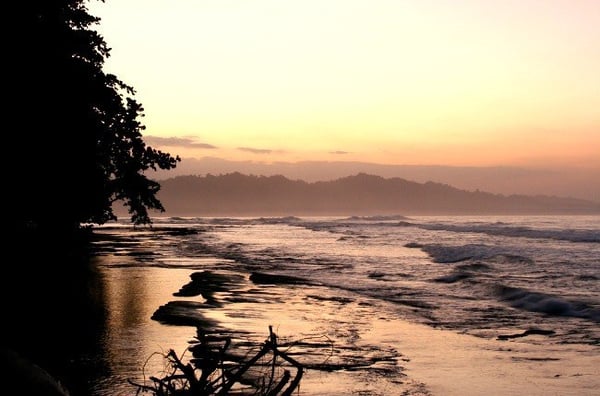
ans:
(214, 371)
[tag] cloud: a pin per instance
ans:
(176, 142)
(255, 150)
(339, 152)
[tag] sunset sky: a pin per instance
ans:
(449, 82)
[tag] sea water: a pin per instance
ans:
(486, 276)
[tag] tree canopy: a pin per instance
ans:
(76, 136)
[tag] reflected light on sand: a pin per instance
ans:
(132, 337)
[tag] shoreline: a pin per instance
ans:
(395, 356)
(374, 352)
(450, 363)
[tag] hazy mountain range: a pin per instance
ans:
(236, 194)
(581, 182)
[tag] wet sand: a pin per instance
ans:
(349, 344)
(370, 353)
(460, 364)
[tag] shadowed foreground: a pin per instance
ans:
(54, 302)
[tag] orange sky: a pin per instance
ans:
(456, 82)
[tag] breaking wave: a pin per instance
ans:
(501, 229)
(454, 254)
(548, 304)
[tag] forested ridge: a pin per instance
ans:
(239, 194)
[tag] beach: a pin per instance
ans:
(378, 356)
(368, 306)
(350, 342)
(302, 198)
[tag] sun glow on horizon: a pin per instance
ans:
(460, 82)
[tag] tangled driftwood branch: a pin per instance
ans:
(213, 371)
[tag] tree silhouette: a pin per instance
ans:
(76, 142)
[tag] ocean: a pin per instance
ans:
(527, 279)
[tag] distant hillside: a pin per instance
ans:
(553, 180)
(235, 194)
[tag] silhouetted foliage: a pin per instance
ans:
(76, 130)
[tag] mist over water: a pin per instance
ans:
(487, 276)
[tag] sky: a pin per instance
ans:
(444, 82)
